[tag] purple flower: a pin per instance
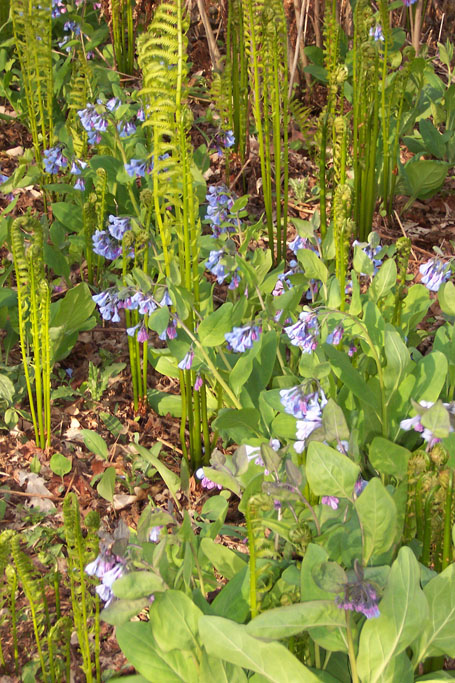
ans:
(224, 140)
(360, 596)
(92, 121)
(79, 184)
(140, 115)
(142, 335)
(242, 338)
(304, 333)
(166, 300)
(58, 8)
(113, 104)
(198, 382)
(298, 403)
(301, 243)
(108, 568)
(170, 332)
(154, 535)
(78, 166)
(108, 303)
(118, 226)
(187, 361)
(434, 272)
(126, 128)
(352, 349)
(220, 201)
(214, 265)
(336, 335)
(307, 408)
(136, 168)
(105, 246)
(331, 501)
(376, 33)
(408, 3)
(359, 486)
(416, 424)
(206, 483)
(54, 160)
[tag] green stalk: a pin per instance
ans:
(426, 541)
(447, 553)
(252, 562)
(351, 651)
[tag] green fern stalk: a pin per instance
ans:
(32, 27)
(30, 583)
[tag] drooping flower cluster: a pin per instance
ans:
(305, 332)
(408, 3)
(336, 335)
(434, 273)
(93, 121)
(69, 27)
(108, 568)
(107, 243)
(217, 264)
(242, 338)
(220, 202)
(376, 33)
(58, 8)
(54, 160)
(307, 407)
(415, 423)
(224, 140)
(360, 596)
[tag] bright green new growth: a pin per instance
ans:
(122, 29)
(33, 299)
(85, 608)
(32, 26)
(265, 37)
(31, 584)
(162, 58)
(234, 79)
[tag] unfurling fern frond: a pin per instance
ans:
(32, 26)
(30, 582)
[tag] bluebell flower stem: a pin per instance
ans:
(447, 553)
(351, 652)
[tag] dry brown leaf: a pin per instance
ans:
(122, 500)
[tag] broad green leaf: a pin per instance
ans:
(398, 359)
(137, 584)
(227, 640)
(238, 425)
(446, 298)
(8, 297)
(169, 477)
(403, 615)
(95, 443)
(334, 422)
(212, 329)
(121, 611)
(112, 423)
(330, 473)
(68, 214)
(349, 376)
(423, 178)
(6, 389)
(438, 636)
(223, 478)
(314, 556)
(434, 141)
(232, 601)
(241, 371)
(437, 420)
(378, 517)
(384, 280)
(139, 647)
(435, 677)
(329, 576)
(388, 457)
(174, 621)
(226, 562)
(74, 309)
(164, 403)
(214, 670)
(312, 265)
(106, 484)
(60, 465)
(283, 622)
